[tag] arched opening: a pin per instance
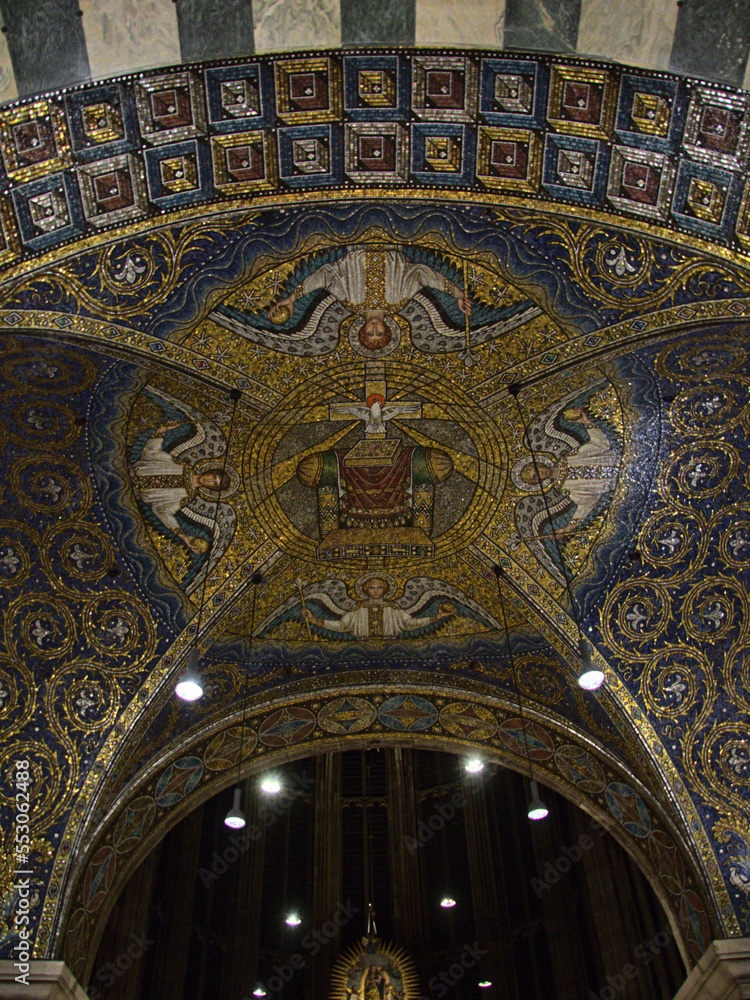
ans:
(552, 909)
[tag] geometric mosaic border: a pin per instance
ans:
(645, 145)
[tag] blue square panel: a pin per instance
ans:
(103, 122)
(376, 87)
(706, 199)
(239, 96)
(650, 112)
(575, 168)
(49, 211)
(310, 155)
(442, 153)
(179, 174)
(513, 92)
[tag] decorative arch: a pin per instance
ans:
(425, 714)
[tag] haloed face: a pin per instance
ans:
(211, 480)
(374, 334)
(529, 474)
(375, 588)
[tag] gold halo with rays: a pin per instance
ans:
(352, 966)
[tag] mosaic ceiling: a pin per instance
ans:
(368, 326)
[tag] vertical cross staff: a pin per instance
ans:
(466, 356)
(299, 582)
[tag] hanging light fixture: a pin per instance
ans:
(189, 687)
(589, 677)
(293, 920)
(537, 809)
(447, 902)
(259, 991)
(235, 818)
(473, 765)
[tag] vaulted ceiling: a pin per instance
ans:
(557, 251)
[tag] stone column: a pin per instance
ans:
(722, 973)
(242, 960)
(327, 884)
(408, 927)
(490, 918)
(179, 890)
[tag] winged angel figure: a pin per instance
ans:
(330, 613)
(577, 463)
(178, 476)
(370, 293)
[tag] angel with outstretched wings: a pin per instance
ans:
(574, 459)
(182, 482)
(370, 293)
(330, 613)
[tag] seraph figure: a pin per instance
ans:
(575, 462)
(370, 293)
(182, 484)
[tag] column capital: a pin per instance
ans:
(44, 981)
(721, 973)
